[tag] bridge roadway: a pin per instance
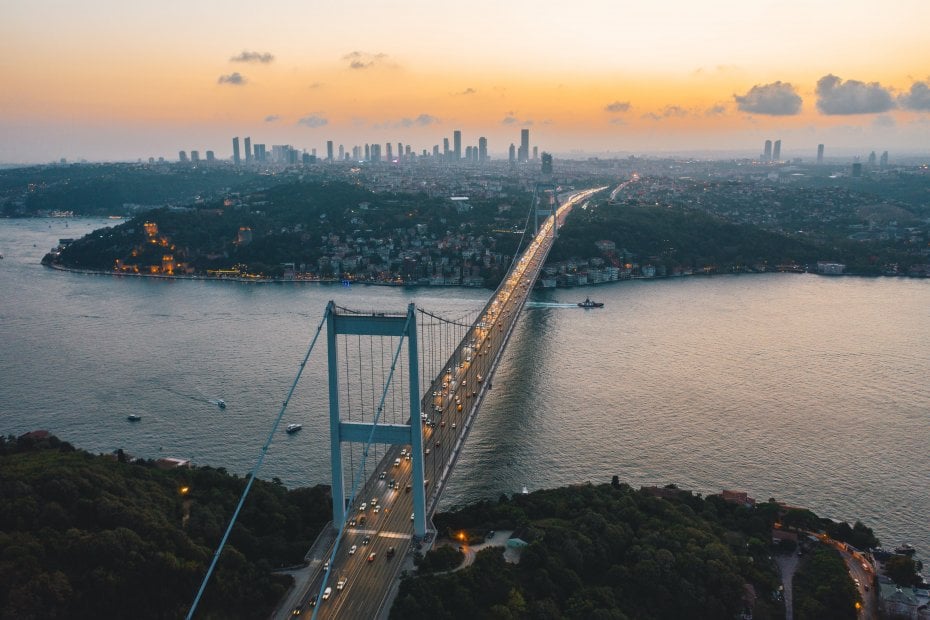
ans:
(449, 407)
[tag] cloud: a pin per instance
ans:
(674, 110)
(918, 98)
(715, 110)
(313, 121)
(233, 78)
(364, 60)
(272, 118)
(775, 99)
(617, 121)
(617, 107)
(509, 120)
(834, 96)
(316, 85)
(423, 120)
(247, 56)
(652, 116)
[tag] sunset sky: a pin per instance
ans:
(118, 80)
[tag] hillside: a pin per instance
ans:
(94, 536)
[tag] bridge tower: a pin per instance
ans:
(404, 326)
(545, 203)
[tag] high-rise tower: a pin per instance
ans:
(819, 154)
(767, 153)
(482, 150)
(456, 145)
(247, 144)
(329, 151)
(523, 154)
(776, 151)
(236, 150)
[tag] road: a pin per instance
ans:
(448, 409)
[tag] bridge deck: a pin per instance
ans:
(450, 406)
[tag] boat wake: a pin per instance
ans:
(547, 304)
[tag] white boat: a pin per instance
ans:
(132, 417)
(525, 491)
(293, 428)
(220, 403)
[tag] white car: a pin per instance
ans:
(326, 593)
(377, 508)
(341, 584)
(353, 549)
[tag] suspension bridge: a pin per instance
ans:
(404, 391)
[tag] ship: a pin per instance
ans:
(587, 303)
(221, 403)
(132, 417)
(293, 428)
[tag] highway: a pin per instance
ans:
(381, 513)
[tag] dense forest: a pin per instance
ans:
(676, 237)
(94, 536)
(608, 551)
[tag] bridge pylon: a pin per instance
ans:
(403, 326)
(545, 203)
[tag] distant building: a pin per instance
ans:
(236, 150)
(211, 157)
(260, 153)
(857, 169)
(535, 153)
(523, 153)
(445, 148)
(776, 151)
(883, 160)
(482, 150)
(819, 154)
(767, 153)
(829, 268)
(737, 497)
(245, 236)
(247, 144)
(872, 159)
(546, 163)
(195, 156)
(456, 145)
(182, 156)
(329, 151)
(512, 154)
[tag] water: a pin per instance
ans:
(811, 390)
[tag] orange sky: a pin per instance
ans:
(103, 79)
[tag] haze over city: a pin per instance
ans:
(106, 80)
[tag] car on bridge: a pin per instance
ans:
(327, 592)
(353, 549)
(341, 584)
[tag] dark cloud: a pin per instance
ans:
(313, 121)
(775, 99)
(617, 106)
(247, 56)
(467, 91)
(233, 78)
(509, 120)
(272, 118)
(364, 60)
(834, 96)
(652, 116)
(918, 98)
(423, 120)
(715, 110)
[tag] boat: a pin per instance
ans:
(293, 428)
(220, 403)
(132, 417)
(905, 549)
(524, 490)
(587, 303)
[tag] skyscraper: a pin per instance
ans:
(523, 154)
(512, 154)
(546, 163)
(482, 150)
(535, 153)
(767, 153)
(195, 156)
(210, 157)
(776, 151)
(329, 151)
(445, 148)
(456, 145)
(342, 152)
(247, 143)
(819, 154)
(236, 150)
(389, 151)
(182, 156)
(883, 161)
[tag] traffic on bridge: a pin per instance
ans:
(355, 579)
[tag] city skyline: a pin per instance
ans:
(108, 81)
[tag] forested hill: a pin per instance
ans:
(94, 536)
